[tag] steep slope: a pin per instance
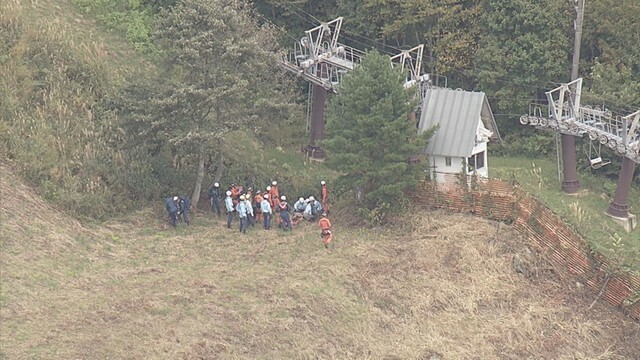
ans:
(30, 223)
(441, 285)
(55, 69)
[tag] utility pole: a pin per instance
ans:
(571, 184)
(577, 39)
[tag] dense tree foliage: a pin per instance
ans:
(611, 53)
(521, 53)
(89, 130)
(220, 77)
(371, 137)
(513, 50)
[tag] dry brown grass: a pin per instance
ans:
(444, 288)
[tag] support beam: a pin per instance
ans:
(570, 183)
(619, 207)
(317, 123)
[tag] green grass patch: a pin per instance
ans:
(296, 175)
(584, 212)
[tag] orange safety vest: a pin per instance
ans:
(324, 223)
(274, 196)
(325, 194)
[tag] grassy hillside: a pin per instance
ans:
(437, 286)
(585, 212)
(56, 65)
(443, 285)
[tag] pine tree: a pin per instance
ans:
(370, 137)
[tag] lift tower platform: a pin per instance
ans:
(620, 133)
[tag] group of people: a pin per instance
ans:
(259, 206)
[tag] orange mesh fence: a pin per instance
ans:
(564, 248)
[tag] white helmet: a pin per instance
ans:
(216, 185)
(283, 198)
(268, 188)
(175, 198)
(274, 183)
(228, 193)
(322, 182)
(301, 199)
(242, 197)
(311, 198)
(266, 196)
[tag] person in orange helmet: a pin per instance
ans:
(326, 233)
(324, 196)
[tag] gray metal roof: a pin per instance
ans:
(457, 114)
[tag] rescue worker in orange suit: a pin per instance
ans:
(235, 194)
(274, 195)
(324, 196)
(326, 233)
(256, 206)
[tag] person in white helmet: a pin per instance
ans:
(215, 195)
(285, 216)
(308, 209)
(184, 205)
(172, 210)
(324, 196)
(313, 209)
(265, 208)
(248, 198)
(228, 203)
(241, 208)
(256, 205)
(274, 195)
(299, 206)
(327, 233)
(298, 210)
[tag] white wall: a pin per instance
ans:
(484, 171)
(439, 167)
(440, 171)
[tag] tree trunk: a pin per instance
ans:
(219, 166)
(198, 187)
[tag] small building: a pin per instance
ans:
(465, 125)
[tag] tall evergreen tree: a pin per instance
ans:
(370, 137)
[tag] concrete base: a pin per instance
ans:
(314, 152)
(629, 223)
